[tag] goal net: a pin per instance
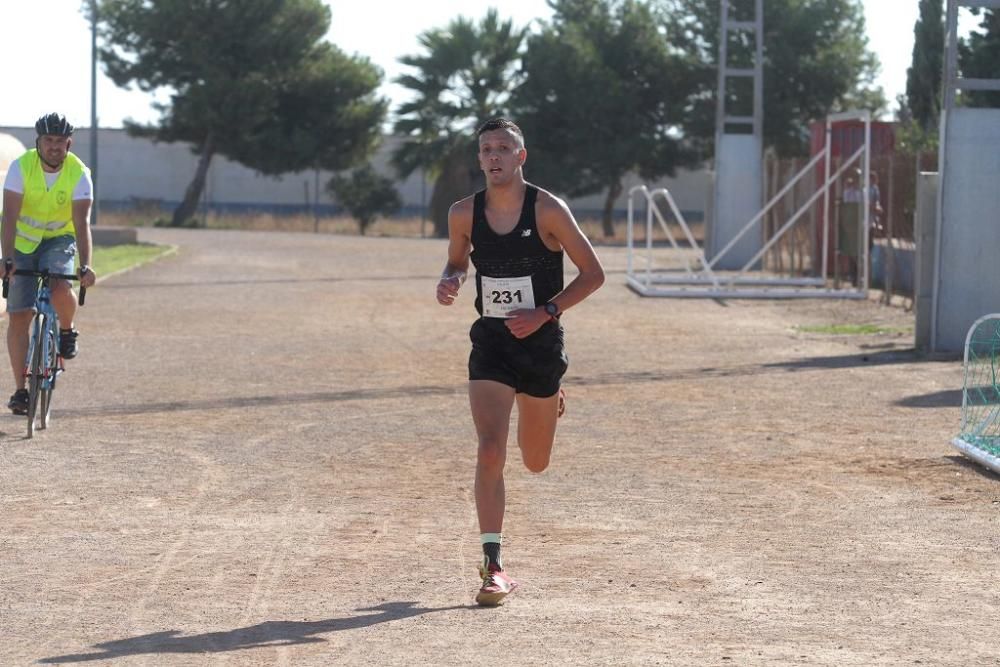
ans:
(979, 435)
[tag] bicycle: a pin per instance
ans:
(43, 363)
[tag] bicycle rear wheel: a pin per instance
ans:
(36, 368)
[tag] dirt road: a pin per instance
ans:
(263, 456)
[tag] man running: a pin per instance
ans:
(516, 235)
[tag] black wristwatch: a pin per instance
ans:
(553, 311)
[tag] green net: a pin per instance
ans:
(981, 394)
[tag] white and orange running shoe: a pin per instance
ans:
(496, 586)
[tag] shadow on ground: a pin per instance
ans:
(938, 399)
(901, 356)
(972, 466)
(268, 633)
(265, 400)
(948, 398)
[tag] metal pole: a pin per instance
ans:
(947, 104)
(827, 217)
(628, 230)
(866, 216)
(93, 107)
(423, 202)
(758, 79)
(720, 102)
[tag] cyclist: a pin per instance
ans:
(46, 220)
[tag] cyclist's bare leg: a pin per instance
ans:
(536, 429)
(18, 328)
(491, 403)
(64, 303)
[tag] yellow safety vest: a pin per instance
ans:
(46, 213)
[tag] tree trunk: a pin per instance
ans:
(457, 180)
(187, 207)
(607, 224)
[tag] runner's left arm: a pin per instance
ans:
(557, 225)
(558, 222)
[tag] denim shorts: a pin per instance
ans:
(57, 254)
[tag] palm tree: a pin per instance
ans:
(465, 76)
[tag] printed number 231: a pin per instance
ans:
(506, 296)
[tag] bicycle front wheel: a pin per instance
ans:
(36, 367)
(48, 382)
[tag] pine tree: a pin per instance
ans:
(923, 78)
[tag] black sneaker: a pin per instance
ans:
(67, 343)
(18, 402)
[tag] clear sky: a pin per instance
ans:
(47, 47)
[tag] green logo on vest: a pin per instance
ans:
(61, 197)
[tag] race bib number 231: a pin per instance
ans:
(502, 296)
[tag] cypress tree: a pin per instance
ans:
(923, 77)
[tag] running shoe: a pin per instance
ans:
(18, 402)
(67, 343)
(496, 586)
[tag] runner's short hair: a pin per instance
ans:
(500, 123)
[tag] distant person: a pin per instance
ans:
(875, 206)
(851, 220)
(515, 234)
(47, 197)
(852, 191)
(850, 227)
(853, 195)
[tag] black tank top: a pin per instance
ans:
(518, 253)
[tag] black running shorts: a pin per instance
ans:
(533, 365)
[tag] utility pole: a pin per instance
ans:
(93, 107)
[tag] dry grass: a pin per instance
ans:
(410, 227)
(401, 227)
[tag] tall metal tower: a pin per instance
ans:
(738, 187)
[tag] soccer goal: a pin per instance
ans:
(979, 435)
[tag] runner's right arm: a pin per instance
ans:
(459, 247)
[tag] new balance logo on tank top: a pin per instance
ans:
(513, 270)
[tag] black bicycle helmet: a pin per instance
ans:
(54, 124)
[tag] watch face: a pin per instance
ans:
(552, 309)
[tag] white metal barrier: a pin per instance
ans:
(692, 274)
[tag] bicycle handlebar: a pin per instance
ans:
(45, 276)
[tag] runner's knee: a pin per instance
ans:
(536, 464)
(536, 459)
(492, 453)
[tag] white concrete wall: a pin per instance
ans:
(10, 149)
(131, 169)
(968, 265)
